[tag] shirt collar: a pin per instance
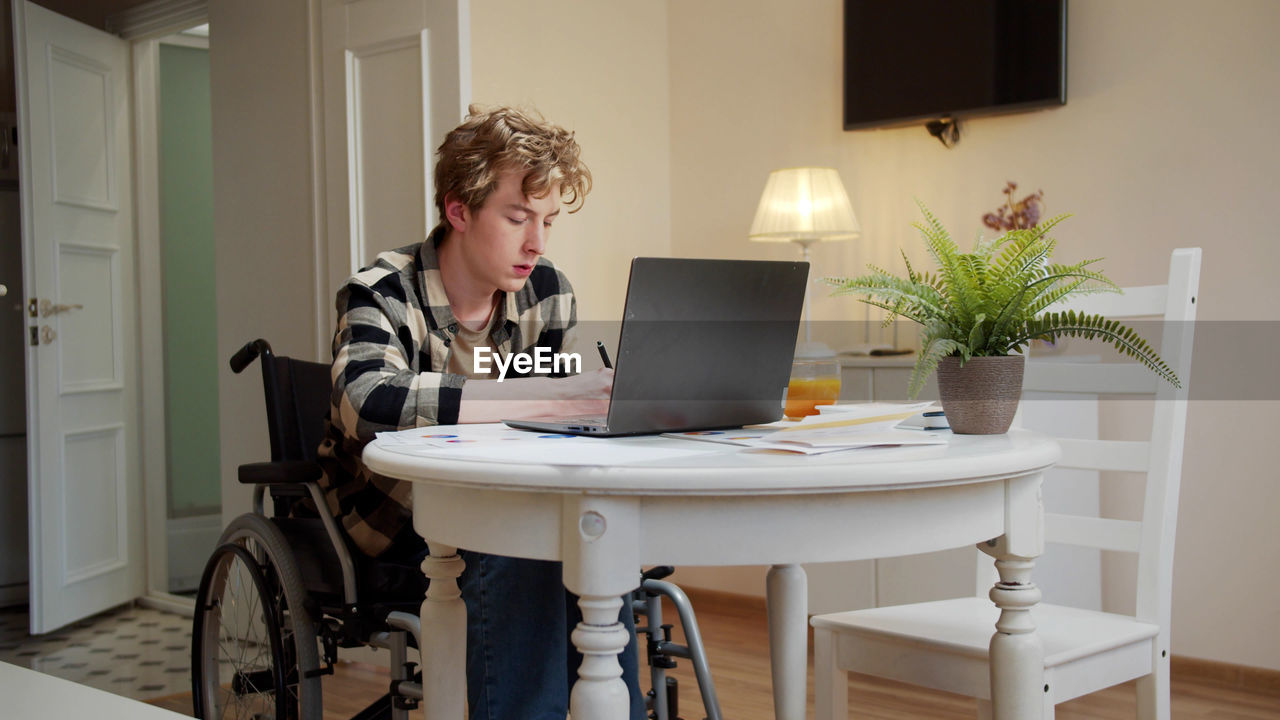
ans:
(431, 287)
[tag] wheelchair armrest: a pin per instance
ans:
(285, 472)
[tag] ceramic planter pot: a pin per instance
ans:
(981, 397)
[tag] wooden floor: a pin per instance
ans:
(736, 638)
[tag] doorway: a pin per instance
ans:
(193, 503)
(175, 190)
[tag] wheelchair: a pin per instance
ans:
(283, 592)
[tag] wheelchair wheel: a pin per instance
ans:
(253, 645)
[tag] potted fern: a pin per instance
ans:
(981, 308)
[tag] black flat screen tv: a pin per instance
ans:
(909, 61)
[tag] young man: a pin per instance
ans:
(403, 356)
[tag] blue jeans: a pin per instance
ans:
(520, 662)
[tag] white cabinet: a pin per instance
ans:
(864, 378)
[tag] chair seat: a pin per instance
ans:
(964, 626)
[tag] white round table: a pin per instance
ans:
(722, 507)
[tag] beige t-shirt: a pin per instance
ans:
(465, 342)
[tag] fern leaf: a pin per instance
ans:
(1095, 327)
(918, 301)
(935, 346)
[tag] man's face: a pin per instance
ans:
(508, 233)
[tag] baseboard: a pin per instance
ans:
(1239, 677)
(191, 540)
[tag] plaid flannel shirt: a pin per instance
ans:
(390, 351)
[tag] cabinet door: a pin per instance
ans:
(890, 385)
(856, 384)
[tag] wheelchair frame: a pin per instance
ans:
(303, 603)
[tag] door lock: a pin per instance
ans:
(47, 334)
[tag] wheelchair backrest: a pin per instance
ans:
(297, 394)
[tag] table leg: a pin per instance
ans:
(600, 691)
(444, 637)
(1016, 652)
(788, 602)
(600, 540)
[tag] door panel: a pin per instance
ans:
(89, 276)
(389, 182)
(81, 110)
(84, 480)
(396, 79)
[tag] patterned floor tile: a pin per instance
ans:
(132, 651)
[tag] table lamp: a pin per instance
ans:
(804, 205)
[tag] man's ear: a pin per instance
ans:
(457, 213)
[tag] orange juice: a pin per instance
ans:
(804, 395)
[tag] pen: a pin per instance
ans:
(604, 354)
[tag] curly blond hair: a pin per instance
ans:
(490, 143)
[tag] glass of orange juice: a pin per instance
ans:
(815, 380)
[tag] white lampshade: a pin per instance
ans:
(804, 204)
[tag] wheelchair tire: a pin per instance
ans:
(283, 598)
(235, 596)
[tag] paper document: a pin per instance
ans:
(829, 443)
(862, 417)
(495, 442)
(839, 427)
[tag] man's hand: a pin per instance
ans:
(523, 398)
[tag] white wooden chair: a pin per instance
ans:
(943, 644)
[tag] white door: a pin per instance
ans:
(77, 238)
(396, 79)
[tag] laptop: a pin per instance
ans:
(704, 345)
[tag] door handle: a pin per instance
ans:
(48, 309)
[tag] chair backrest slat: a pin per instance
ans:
(1168, 436)
(1160, 457)
(1100, 533)
(1114, 455)
(1089, 378)
(1138, 301)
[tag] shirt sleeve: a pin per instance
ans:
(375, 388)
(560, 320)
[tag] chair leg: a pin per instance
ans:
(1046, 710)
(1153, 693)
(830, 682)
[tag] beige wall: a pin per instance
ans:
(683, 108)
(1166, 141)
(262, 211)
(599, 69)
